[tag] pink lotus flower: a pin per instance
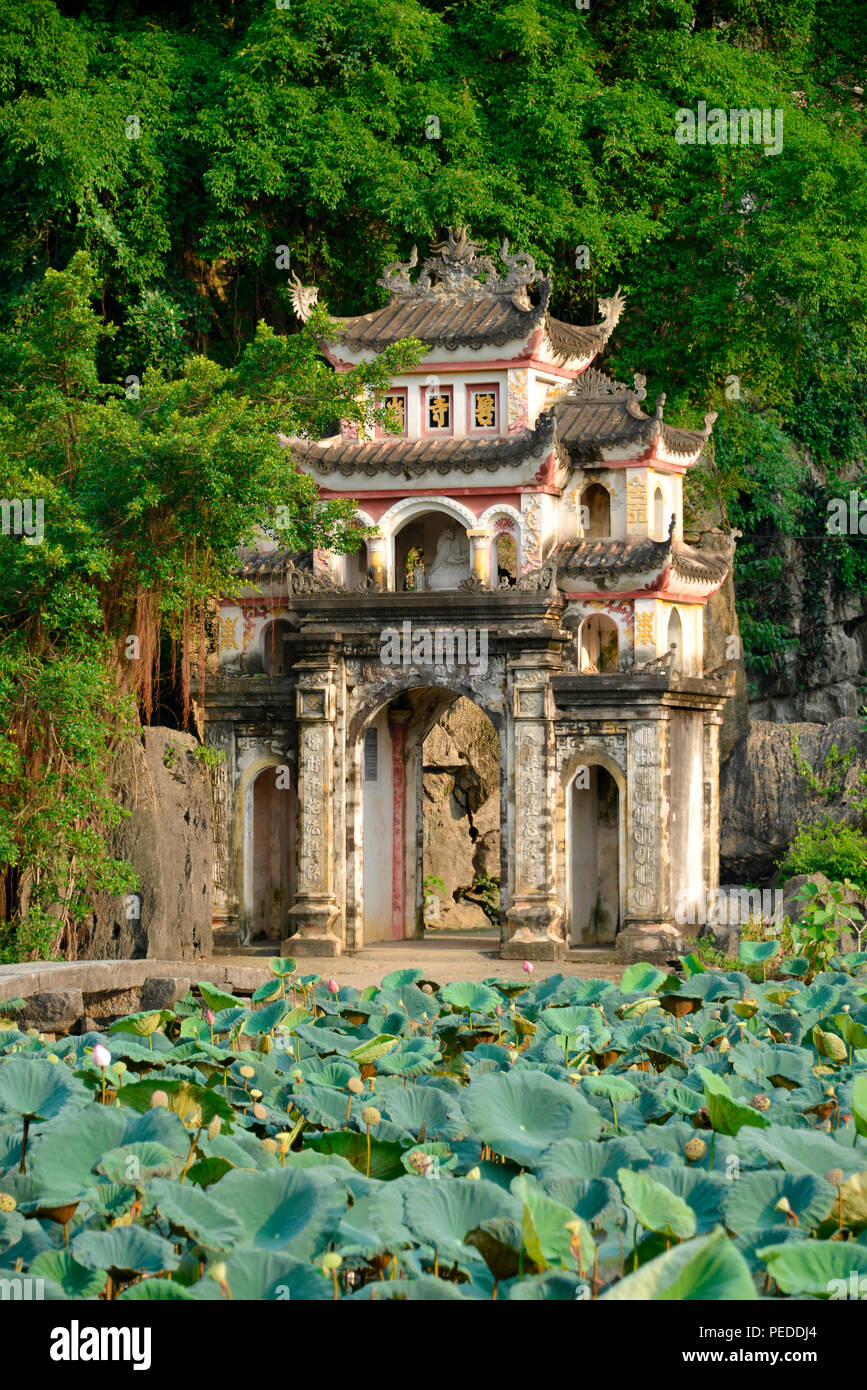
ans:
(333, 986)
(528, 966)
(101, 1056)
(208, 1016)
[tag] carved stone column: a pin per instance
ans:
(315, 910)
(710, 865)
(398, 720)
(534, 916)
(480, 542)
(376, 552)
(224, 914)
(648, 932)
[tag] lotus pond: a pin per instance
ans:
(691, 1136)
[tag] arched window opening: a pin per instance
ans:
(276, 659)
(432, 552)
(505, 560)
(675, 639)
(596, 502)
(659, 531)
(599, 645)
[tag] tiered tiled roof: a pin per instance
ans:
(461, 300)
(599, 413)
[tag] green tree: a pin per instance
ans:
(146, 495)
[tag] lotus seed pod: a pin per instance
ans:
(52, 1057)
(270, 1145)
(296, 1074)
(724, 1045)
(259, 1112)
(371, 1116)
(836, 1177)
(283, 1139)
(7, 1201)
(214, 1127)
(355, 1085)
(427, 989)
(420, 1162)
(159, 1099)
(248, 1072)
(217, 1272)
(257, 1095)
(761, 1102)
(331, 1261)
(120, 1068)
(265, 1043)
(695, 1149)
(474, 1173)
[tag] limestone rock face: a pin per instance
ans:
(461, 809)
(763, 795)
(167, 839)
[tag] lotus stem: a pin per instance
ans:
(23, 1166)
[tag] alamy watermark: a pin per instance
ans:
(847, 516)
(438, 646)
(737, 126)
(23, 517)
(733, 907)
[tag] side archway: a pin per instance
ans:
(596, 848)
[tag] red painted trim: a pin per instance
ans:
(398, 831)
(669, 595)
(472, 364)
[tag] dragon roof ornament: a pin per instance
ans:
(459, 266)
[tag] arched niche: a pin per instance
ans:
(596, 502)
(595, 802)
(675, 639)
(265, 843)
(276, 658)
(437, 541)
(504, 559)
(659, 531)
(598, 645)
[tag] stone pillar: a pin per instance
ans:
(480, 545)
(648, 932)
(710, 818)
(398, 720)
(534, 917)
(376, 551)
(315, 910)
(224, 915)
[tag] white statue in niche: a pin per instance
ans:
(452, 563)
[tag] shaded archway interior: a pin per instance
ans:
(420, 794)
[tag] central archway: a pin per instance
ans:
(410, 780)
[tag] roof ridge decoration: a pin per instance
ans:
(459, 266)
(594, 384)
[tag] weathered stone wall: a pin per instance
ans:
(167, 839)
(763, 795)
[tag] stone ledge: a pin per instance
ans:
(95, 978)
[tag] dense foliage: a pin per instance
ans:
(197, 152)
(165, 167)
(673, 1137)
(147, 491)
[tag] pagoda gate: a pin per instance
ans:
(528, 554)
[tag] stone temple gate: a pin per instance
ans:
(528, 555)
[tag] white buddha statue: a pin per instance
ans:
(452, 563)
